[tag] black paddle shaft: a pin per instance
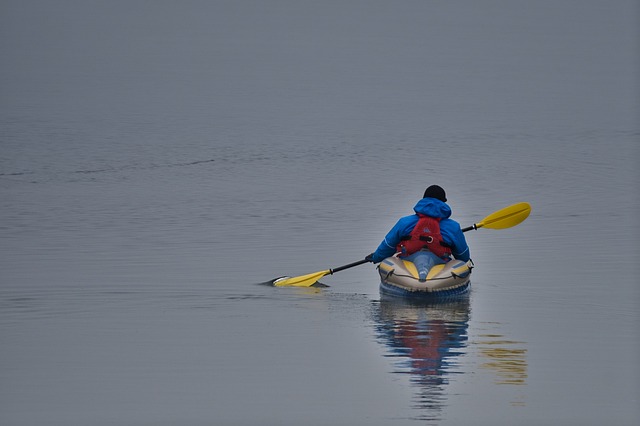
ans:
(351, 265)
(360, 262)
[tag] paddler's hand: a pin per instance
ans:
(369, 258)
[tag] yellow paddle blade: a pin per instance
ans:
(507, 217)
(301, 281)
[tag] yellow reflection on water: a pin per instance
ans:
(507, 358)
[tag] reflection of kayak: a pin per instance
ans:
(400, 278)
(424, 339)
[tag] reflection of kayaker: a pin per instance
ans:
(425, 339)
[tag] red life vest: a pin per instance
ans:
(425, 235)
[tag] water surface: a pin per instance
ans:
(159, 161)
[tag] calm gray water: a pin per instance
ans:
(159, 160)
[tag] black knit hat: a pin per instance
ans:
(434, 191)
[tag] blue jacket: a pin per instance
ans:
(449, 228)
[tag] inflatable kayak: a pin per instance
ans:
(400, 278)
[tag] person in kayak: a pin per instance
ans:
(426, 238)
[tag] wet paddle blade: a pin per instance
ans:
(507, 217)
(301, 281)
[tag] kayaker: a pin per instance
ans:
(436, 239)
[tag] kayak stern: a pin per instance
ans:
(400, 278)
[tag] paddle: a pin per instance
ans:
(311, 279)
(503, 218)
